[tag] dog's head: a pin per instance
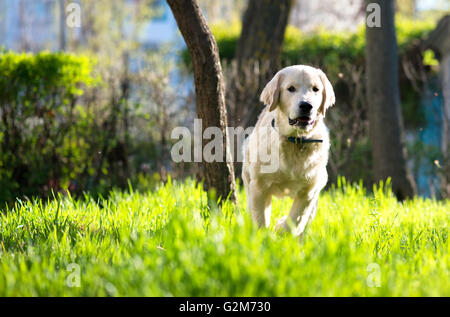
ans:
(302, 94)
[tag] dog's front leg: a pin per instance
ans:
(302, 211)
(260, 204)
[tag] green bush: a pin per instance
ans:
(41, 143)
(325, 49)
(63, 128)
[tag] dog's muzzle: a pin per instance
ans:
(302, 122)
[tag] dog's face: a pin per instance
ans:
(302, 94)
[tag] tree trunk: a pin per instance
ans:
(209, 89)
(439, 42)
(257, 59)
(445, 146)
(384, 107)
(257, 56)
(62, 26)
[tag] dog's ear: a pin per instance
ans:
(271, 93)
(329, 98)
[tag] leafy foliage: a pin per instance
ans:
(72, 122)
(39, 120)
(328, 50)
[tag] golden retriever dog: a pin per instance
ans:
(291, 127)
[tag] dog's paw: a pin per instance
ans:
(285, 226)
(282, 225)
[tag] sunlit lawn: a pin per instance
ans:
(166, 242)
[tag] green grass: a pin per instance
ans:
(167, 243)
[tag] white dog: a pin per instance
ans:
(297, 99)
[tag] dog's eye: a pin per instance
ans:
(292, 89)
(315, 89)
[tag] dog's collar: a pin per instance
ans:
(295, 140)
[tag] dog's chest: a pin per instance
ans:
(301, 168)
(301, 161)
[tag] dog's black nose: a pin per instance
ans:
(305, 107)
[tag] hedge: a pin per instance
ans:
(41, 144)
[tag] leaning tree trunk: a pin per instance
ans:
(257, 56)
(384, 107)
(209, 89)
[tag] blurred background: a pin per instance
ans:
(92, 107)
